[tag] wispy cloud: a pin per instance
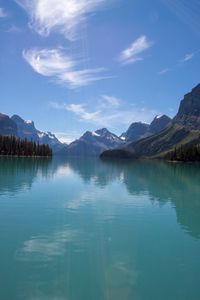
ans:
(3, 13)
(164, 71)
(110, 100)
(189, 56)
(110, 115)
(14, 29)
(133, 53)
(178, 64)
(63, 68)
(63, 16)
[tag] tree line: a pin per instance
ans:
(185, 153)
(10, 145)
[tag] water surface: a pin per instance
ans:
(79, 229)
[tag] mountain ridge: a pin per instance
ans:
(90, 143)
(184, 130)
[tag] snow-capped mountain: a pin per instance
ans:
(26, 129)
(92, 143)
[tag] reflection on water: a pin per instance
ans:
(85, 229)
(163, 182)
(19, 173)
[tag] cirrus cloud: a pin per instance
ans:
(61, 67)
(3, 13)
(106, 113)
(132, 53)
(63, 16)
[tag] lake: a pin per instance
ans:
(82, 229)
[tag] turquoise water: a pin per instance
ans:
(89, 230)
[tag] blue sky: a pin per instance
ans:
(77, 65)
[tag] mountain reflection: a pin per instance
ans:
(17, 174)
(177, 184)
(97, 225)
(164, 182)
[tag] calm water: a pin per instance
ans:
(88, 230)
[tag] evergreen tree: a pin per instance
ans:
(185, 153)
(10, 145)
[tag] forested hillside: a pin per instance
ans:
(10, 145)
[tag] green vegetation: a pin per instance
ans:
(10, 145)
(185, 153)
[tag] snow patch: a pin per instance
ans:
(41, 134)
(159, 116)
(51, 135)
(29, 122)
(95, 134)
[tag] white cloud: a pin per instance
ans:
(3, 13)
(188, 57)
(111, 100)
(132, 53)
(80, 110)
(63, 68)
(63, 16)
(164, 71)
(108, 115)
(13, 29)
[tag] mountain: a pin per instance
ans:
(184, 130)
(26, 129)
(135, 132)
(7, 126)
(189, 111)
(159, 123)
(138, 130)
(92, 143)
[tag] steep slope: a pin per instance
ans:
(92, 143)
(189, 111)
(139, 130)
(26, 129)
(135, 132)
(7, 126)
(184, 130)
(159, 123)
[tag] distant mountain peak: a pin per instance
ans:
(92, 143)
(17, 118)
(26, 129)
(7, 125)
(159, 123)
(102, 131)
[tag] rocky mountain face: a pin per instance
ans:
(92, 143)
(7, 126)
(159, 123)
(26, 129)
(135, 132)
(189, 111)
(184, 130)
(138, 130)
